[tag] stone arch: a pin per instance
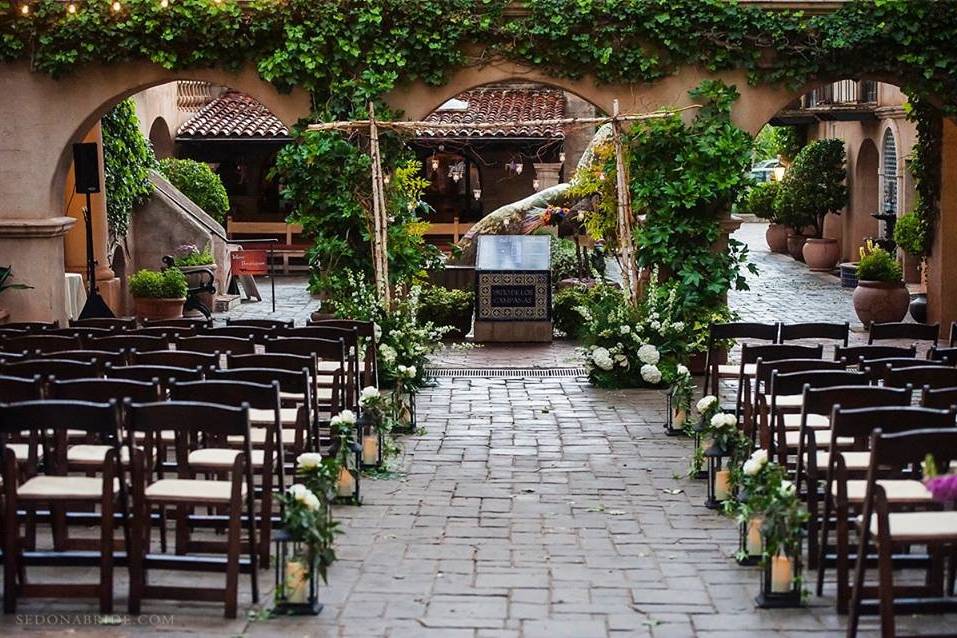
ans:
(161, 138)
(865, 196)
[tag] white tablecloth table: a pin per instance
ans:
(75, 295)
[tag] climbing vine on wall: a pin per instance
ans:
(127, 160)
(925, 166)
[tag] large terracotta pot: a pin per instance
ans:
(821, 255)
(796, 246)
(148, 308)
(777, 238)
(880, 301)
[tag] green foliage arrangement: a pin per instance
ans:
(564, 258)
(190, 255)
(877, 264)
(567, 306)
(307, 514)
(447, 307)
(814, 186)
(127, 160)
(199, 183)
(760, 201)
(778, 141)
(152, 284)
(327, 180)
(910, 234)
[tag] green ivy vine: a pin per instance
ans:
(925, 166)
(127, 160)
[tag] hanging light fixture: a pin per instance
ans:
(535, 184)
(435, 163)
(25, 9)
(477, 193)
(71, 8)
(457, 171)
(561, 157)
(117, 7)
(387, 178)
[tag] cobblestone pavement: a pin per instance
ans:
(530, 507)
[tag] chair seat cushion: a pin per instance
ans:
(22, 451)
(190, 491)
(897, 490)
(54, 488)
(732, 370)
(287, 416)
(789, 400)
(792, 421)
(257, 437)
(855, 461)
(920, 527)
(222, 457)
(822, 438)
(84, 454)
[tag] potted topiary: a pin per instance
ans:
(813, 187)
(6, 272)
(447, 307)
(911, 236)
(194, 263)
(759, 201)
(880, 295)
(158, 294)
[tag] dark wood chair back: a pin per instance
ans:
(354, 358)
(61, 369)
(170, 332)
(83, 332)
(859, 423)
(41, 343)
(943, 354)
(100, 356)
(273, 360)
(910, 448)
(904, 330)
(261, 323)
(176, 358)
(815, 330)
(938, 398)
(121, 323)
(764, 369)
(938, 376)
(876, 369)
(163, 374)
(178, 323)
(251, 333)
(778, 352)
(130, 342)
(821, 400)
(370, 342)
(103, 390)
(222, 344)
(32, 326)
(18, 389)
(854, 354)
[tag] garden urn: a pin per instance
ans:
(821, 254)
(777, 238)
(880, 301)
(796, 246)
(154, 308)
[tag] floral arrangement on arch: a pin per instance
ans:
(628, 346)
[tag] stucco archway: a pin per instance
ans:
(161, 139)
(864, 197)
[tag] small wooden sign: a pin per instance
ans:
(249, 262)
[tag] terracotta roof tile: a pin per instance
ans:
(489, 105)
(233, 115)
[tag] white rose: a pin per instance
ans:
(311, 501)
(297, 489)
(411, 370)
(308, 460)
(388, 353)
(650, 374)
(683, 370)
(649, 354)
(760, 456)
(705, 403)
(721, 420)
(347, 416)
(751, 467)
(786, 489)
(369, 392)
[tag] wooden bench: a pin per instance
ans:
(285, 249)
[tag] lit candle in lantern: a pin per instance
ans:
(722, 485)
(782, 574)
(679, 417)
(370, 449)
(347, 483)
(754, 544)
(297, 581)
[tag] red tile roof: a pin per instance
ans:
(233, 115)
(490, 105)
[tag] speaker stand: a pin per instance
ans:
(95, 307)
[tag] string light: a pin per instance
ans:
(25, 9)
(71, 8)
(535, 184)
(561, 157)
(117, 6)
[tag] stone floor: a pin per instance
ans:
(530, 507)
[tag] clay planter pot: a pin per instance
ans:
(796, 246)
(880, 301)
(777, 238)
(821, 255)
(148, 308)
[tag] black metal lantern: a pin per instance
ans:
(348, 481)
(781, 581)
(699, 430)
(719, 477)
(296, 587)
(675, 417)
(750, 540)
(371, 440)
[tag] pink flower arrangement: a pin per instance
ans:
(943, 487)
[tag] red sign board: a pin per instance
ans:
(249, 262)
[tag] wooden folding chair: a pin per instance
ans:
(881, 522)
(934, 376)
(815, 440)
(251, 333)
(130, 342)
(943, 354)
(330, 367)
(846, 467)
(100, 356)
(856, 354)
(904, 330)
(767, 353)
(119, 323)
(267, 461)
(815, 330)
(61, 369)
(260, 323)
(169, 332)
(759, 407)
(107, 492)
(208, 343)
(368, 340)
(176, 359)
(236, 495)
(27, 449)
(938, 398)
(83, 332)
(721, 333)
(32, 326)
(41, 343)
(877, 369)
(354, 372)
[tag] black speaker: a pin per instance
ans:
(86, 168)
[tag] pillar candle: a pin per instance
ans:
(754, 544)
(347, 483)
(297, 581)
(679, 417)
(370, 449)
(722, 486)
(782, 574)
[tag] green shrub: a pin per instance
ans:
(199, 183)
(565, 315)
(813, 186)
(564, 258)
(878, 265)
(445, 306)
(127, 158)
(759, 200)
(189, 255)
(910, 234)
(150, 284)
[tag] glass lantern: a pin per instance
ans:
(675, 417)
(699, 430)
(719, 477)
(371, 440)
(781, 581)
(750, 540)
(296, 588)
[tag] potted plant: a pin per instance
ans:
(6, 272)
(194, 263)
(158, 294)
(760, 201)
(447, 307)
(911, 236)
(880, 294)
(813, 187)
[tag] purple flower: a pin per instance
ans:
(943, 488)
(184, 250)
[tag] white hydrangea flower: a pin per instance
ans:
(650, 373)
(678, 326)
(388, 353)
(625, 329)
(649, 354)
(760, 456)
(722, 420)
(309, 460)
(706, 403)
(656, 325)
(368, 395)
(682, 370)
(602, 358)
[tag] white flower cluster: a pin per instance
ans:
(682, 370)
(651, 374)
(406, 372)
(305, 496)
(757, 461)
(649, 355)
(346, 417)
(601, 357)
(723, 420)
(705, 403)
(388, 353)
(309, 460)
(368, 396)
(786, 489)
